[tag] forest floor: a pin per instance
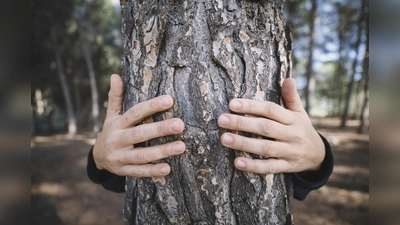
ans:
(62, 194)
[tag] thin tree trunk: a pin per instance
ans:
(359, 99)
(345, 114)
(64, 85)
(364, 110)
(78, 102)
(338, 84)
(204, 53)
(93, 86)
(310, 86)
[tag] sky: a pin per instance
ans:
(115, 2)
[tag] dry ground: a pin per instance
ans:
(62, 194)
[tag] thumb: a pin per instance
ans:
(115, 95)
(290, 95)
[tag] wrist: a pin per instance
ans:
(321, 150)
(97, 162)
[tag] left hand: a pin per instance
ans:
(296, 147)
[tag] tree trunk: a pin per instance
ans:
(310, 86)
(64, 85)
(364, 110)
(360, 92)
(340, 71)
(204, 53)
(350, 86)
(93, 86)
(80, 115)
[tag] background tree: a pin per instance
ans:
(98, 30)
(357, 43)
(310, 85)
(204, 53)
(336, 24)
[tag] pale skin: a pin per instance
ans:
(296, 147)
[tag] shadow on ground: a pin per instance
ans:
(345, 198)
(61, 191)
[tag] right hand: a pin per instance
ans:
(114, 150)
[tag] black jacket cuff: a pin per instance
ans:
(106, 179)
(305, 182)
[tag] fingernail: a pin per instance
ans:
(164, 170)
(176, 126)
(240, 164)
(165, 101)
(224, 120)
(178, 148)
(235, 104)
(227, 139)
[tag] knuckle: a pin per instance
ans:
(154, 106)
(154, 172)
(267, 128)
(267, 151)
(120, 171)
(109, 143)
(110, 94)
(165, 153)
(271, 109)
(137, 135)
(254, 168)
(109, 158)
(134, 113)
(242, 144)
(271, 168)
(161, 130)
(240, 124)
(250, 106)
(139, 173)
(140, 157)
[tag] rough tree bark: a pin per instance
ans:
(204, 53)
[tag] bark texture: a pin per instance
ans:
(204, 53)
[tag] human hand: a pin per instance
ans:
(296, 147)
(114, 150)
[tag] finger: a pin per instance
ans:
(152, 153)
(262, 166)
(291, 97)
(266, 109)
(144, 109)
(261, 147)
(145, 170)
(149, 131)
(115, 95)
(260, 126)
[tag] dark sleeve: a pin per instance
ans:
(305, 182)
(106, 179)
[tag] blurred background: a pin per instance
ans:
(76, 46)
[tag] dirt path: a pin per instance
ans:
(345, 198)
(62, 194)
